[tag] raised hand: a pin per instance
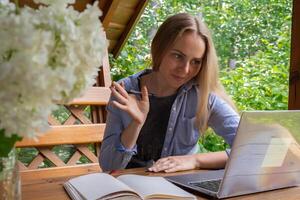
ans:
(136, 107)
(175, 163)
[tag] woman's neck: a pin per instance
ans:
(156, 85)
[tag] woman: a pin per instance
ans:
(179, 98)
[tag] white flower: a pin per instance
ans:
(47, 55)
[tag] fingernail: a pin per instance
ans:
(148, 170)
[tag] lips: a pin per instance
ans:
(178, 78)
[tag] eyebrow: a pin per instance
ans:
(178, 51)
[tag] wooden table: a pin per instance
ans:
(47, 184)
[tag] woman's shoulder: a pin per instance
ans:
(214, 99)
(219, 105)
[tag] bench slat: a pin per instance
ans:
(93, 96)
(41, 175)
(67, 134)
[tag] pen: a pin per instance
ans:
(139, 93)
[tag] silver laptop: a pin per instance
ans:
(265, 156)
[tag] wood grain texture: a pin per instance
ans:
(109, 12)
(47, 153)
(78, 112)
(93, 96)
(67, 134)
(85, 151)
(47, 185)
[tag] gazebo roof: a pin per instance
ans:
(119, 18)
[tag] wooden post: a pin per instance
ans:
(294, 92)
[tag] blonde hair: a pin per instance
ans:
(208, 76)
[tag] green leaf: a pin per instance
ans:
(7, 143)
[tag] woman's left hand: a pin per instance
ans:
(175, 163)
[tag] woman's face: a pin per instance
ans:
(182, 61)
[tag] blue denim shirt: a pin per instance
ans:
(182, 135)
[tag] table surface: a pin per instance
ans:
(47, 184)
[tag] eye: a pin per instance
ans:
(177, 56)
(196, 63)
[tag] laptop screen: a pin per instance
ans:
(265, 154)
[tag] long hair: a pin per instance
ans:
(208, 76)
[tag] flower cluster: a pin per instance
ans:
(47, 55)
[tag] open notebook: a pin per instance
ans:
(265, 155)
(104, 186)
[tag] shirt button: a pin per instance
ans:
(174, 109)
(165, 149)
(170, 129)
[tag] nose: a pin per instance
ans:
(185, 67)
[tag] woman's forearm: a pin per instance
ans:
(212, 160)
(130, 134)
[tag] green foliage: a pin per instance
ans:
(61, 114)
(240, 28)
(211, 142)
(261, 81)
(26, 155)
(7, 143)
(64, 152)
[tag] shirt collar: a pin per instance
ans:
(135, 79)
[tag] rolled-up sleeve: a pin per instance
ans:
(113, 155)
(223, 119)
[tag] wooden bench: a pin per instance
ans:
(81, 132)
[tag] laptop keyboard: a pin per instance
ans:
(212, 185)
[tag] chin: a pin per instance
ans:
(176, 85)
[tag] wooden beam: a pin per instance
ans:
(294, 92)
(104, 78)
(133, 21)
(108, 12)
(67, 134)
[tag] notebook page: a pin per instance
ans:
(149, 186)
(97, 185)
